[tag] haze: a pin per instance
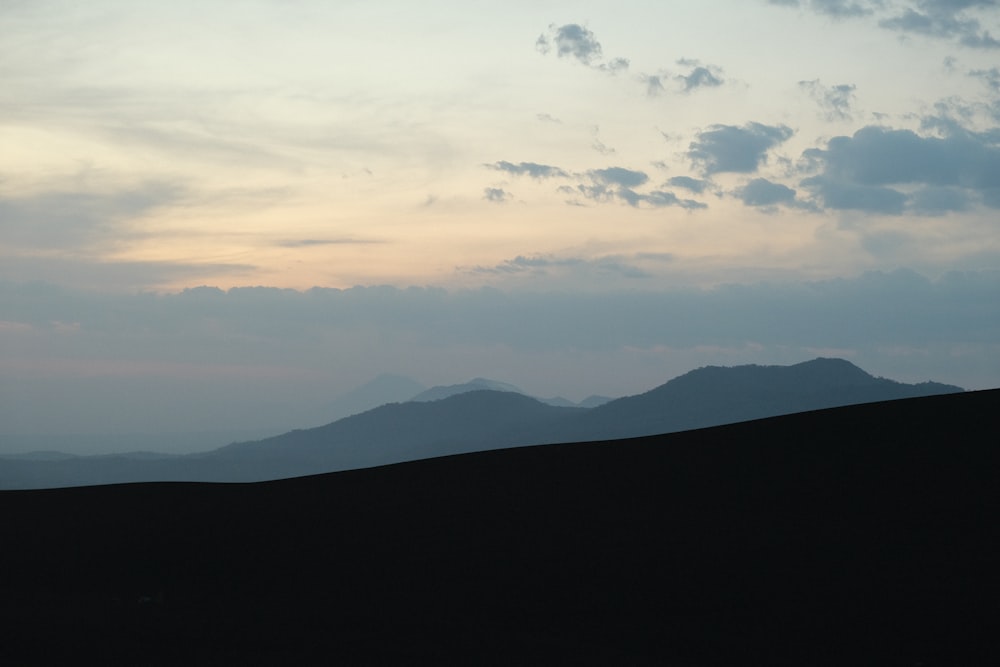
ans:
(215, 217)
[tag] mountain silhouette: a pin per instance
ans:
(485, 384)
(463, 422)
(385, 388)
(487, 419)
(857, 535)
(476, 384)
(716, 395)
(594, 400)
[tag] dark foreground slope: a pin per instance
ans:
(858, 535)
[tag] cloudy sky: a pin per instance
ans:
(575, 197)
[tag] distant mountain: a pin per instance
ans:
(488, 419)
(863, 535)
(559, 402)
(716, 395)
(589, 402)
(480, 384)
(463, 422)
(594, 400)
(386, 388)
(476, 384)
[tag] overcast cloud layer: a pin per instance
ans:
(566, 196)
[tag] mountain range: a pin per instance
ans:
(485, 384)
(463, 421)
(857, 535)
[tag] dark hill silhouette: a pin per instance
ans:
(463, 422)
(857, 535)
(480, 420)
(724, 395)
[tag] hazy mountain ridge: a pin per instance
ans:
(383, 389)
(475, 384)
(440, 392)
(488, 419)
(466, 421)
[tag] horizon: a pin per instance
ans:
(221, 219)
(99, 444)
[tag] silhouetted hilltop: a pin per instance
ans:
(858, 535)
(723, 395)
(463, 422)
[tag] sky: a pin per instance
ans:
(211, 211)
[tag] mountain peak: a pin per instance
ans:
(719, 394)
(823, 370)
(475, 384)
(833, 367)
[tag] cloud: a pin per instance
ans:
(611, 184)
(835, 101)
(308, 243)
(601, 148)
(114, 276)
(873, 169)
(545, 265)
(840, 8)
(615, 65)
(762, 192)
(989, 77)
(72, 219)
(945, 19)
(654, 84)
(934, 200)
(693, 184)
(941, 19)
(619, 176)
(497, 195)
(575, 41)
(852, 196)
(728, 148)
(661, 198)
(653, 199)
(532, 169)
(834, 8)
(698, 76)
(618, 184)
